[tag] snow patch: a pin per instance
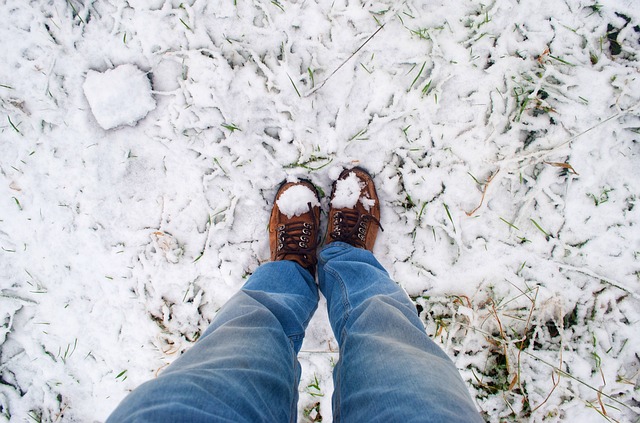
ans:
(295, 201)
(120, 96)
(347, 193)
(367, 203)
(78, 219)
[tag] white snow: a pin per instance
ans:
(296, 199)
(347, 193)
(120, 96)
(117, 248)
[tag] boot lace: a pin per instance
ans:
(297, 239)
(351, 227)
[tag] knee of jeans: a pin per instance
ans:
(394, 310)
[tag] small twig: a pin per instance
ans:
(563, 165)
(601, 278)
(569, 375)
(346, 60)
(160, 368)
(555, 385)
(484, 192)
(599, 396)
(537, 156)
(503, 336)
(526, 328)
(76, 12)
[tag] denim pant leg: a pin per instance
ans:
(389, 369)
(244, 367)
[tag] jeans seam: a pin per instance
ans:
(345, 298)
(337, 399)
(308, 319)
(293, 409)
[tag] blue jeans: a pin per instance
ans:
(244, 367)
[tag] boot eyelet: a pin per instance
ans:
(361, 237)
(304, 238)
(307, 225)
(281, 227)
(306, 231)
(361, 230)
(280, 247)
(302, 244)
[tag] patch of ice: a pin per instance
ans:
(347, 193)
(120, 96)
(295, 201)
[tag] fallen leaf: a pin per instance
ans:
(563, 165)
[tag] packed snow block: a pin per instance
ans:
(120, 96)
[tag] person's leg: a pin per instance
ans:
(389, 369)
(244, 366)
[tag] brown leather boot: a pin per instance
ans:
(294, 224)
(354, 216)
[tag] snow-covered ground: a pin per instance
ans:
(503, 138)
